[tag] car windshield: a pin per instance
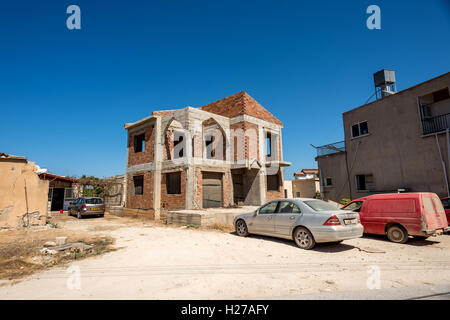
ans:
(354, 206)
(319, 205)
(94, 201)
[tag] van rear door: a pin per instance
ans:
(440, 211)
(433, 213)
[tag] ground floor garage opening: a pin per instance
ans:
(212, 189)
(246, 189)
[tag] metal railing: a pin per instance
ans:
(331, 148)
(436, 124)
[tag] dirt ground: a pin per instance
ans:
(20, 250)
(156, 261)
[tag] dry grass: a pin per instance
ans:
(221, 227)
(20, 250)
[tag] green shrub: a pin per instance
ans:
(344, 201)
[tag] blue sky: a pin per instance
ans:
(66, 94)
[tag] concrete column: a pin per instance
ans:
(189, 171)
(281, 146)
(157, 173)
(261, 178)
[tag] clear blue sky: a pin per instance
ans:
(66, 94)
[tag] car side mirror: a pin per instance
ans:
(256, 212)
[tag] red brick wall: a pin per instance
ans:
(198, 196)
(272, 195)
(198, 146)
(168, 144)
(226, 190)
(144, 201)
(173, 201)
(249, 141)
(145, 156)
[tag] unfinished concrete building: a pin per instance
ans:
(224, 153)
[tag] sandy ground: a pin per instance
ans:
(170, 262)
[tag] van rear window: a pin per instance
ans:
(392, 206)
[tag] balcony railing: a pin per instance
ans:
(436, 124)
(331, 148)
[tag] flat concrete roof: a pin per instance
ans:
(400, 92)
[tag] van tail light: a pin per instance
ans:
(332, 221)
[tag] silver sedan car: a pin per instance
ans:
(306, 221)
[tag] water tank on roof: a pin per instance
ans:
(384, 81)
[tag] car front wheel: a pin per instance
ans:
(304, 239)
(241, 228)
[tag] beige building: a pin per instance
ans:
(306, 184)
(23, 195)
(398, 143)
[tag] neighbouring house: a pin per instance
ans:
(225, 153)
(62, 191)
(398, 143)
(117, 190)
(306, 184)
(23, 196)
(287, 186)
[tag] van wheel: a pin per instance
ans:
(304, 239)
(397, 234)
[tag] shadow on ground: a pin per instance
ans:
(331, 247)
(411, 241)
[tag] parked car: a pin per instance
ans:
(87, 206)
(306, 221)
(446, 204)
(399, 215)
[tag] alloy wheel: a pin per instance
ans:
(303, 239)
(241, 228)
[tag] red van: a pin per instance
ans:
(446, 204)
(401, 214)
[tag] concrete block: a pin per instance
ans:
(61, 241)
